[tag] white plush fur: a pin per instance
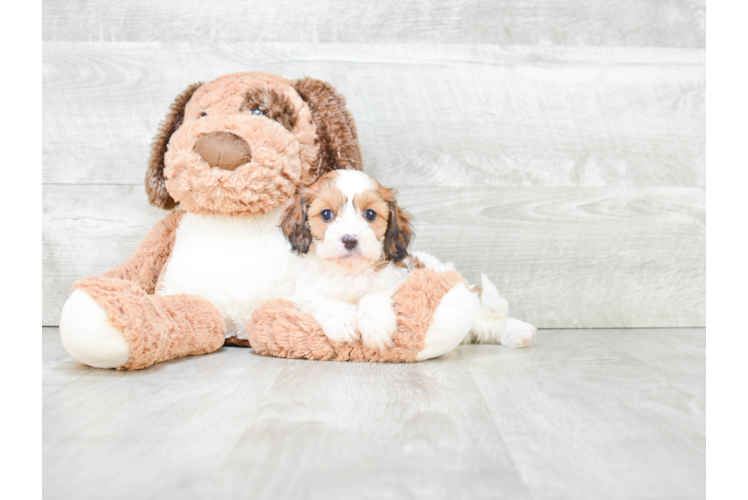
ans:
(453, 319)
(236, 263)
(88, 336)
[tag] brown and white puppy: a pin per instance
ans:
(355, 237)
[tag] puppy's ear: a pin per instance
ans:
(295, 227)
(336, 130)
(399, 233)
(155, 184)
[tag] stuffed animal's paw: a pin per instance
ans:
(88, 336)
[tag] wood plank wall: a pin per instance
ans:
(559, 146)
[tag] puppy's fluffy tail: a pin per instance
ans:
(493, 315)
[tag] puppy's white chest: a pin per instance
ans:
(236, 263)
(315, 283)
(349, 288)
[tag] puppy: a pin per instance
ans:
(356, 238)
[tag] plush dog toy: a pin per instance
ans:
(227, 162)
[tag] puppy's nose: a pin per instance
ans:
(224, 150)
(349, 241)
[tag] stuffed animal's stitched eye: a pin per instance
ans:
(203, 114)
(258, 112)
(370, 215)
(326, 214)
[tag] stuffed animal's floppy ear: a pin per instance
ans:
(399, 233)
(295, 227)
(336, 130)
(155, 184)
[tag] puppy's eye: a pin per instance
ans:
(203, 114)
(326, 214)
(370, 215)
(258, 112)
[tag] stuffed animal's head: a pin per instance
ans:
(242, 144)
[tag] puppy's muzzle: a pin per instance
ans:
(223, 150)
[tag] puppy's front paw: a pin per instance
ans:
(341, 325)
(517, 333)
(377, 329)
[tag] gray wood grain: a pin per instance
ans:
(564, 257)
(575, 257)
(506, 22)
(592, 414)
(58, 368)
(627, 404)
(427, 115)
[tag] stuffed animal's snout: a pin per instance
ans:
(223, 150)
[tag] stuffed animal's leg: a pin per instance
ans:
(434, 313)
(113, 323)
(493, 324)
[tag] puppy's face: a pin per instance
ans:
(349, 220)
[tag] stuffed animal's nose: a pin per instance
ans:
(224, 150)
(349, 241)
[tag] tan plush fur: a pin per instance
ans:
(336, 130)
(416, 300)
(280, 161)
(156, 328)
(278, 329)
(144, 267)
(154, 176)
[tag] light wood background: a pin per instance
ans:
(559, 146)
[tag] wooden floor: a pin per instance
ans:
(582, 414)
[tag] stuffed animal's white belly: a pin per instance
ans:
(236, 263)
